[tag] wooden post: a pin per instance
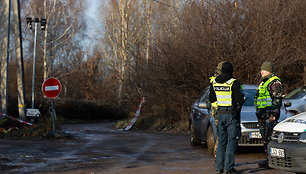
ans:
(5, 56)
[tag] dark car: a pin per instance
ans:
(202, 125)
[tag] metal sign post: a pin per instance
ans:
(53, 114)
(33, 113)
(34, 62)
(43, 25)
(52, 88)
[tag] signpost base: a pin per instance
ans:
(53, 115)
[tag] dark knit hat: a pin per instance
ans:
(227, 67)
(268, 66)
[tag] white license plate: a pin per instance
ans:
(277, 152)
(254, 135)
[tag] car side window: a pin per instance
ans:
(205, 95)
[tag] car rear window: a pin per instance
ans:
(249, 94)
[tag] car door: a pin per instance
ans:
(197, 117)
(204, 115)
(201, 116)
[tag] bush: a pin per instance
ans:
(87, 110)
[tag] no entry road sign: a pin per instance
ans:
(51, 88)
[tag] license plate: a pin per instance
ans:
(277, 152)
(254, 135)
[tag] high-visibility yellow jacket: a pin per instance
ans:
(264, 98)
(224, 92)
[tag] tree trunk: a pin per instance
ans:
(19, 59)
(45, 58)
(123, 5)
(5, 56)
(148, 18)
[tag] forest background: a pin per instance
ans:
(163, 50)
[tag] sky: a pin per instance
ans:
(94, 22)
(93, 10)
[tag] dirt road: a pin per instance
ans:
(98, 148)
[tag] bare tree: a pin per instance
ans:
(63, 25)
(127, 36)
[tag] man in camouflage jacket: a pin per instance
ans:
(268, 101)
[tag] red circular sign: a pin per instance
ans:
(51, 88)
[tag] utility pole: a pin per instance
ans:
(19, 58)
(43, 26)
(5, 56)
(34, 62)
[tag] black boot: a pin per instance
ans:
(233, 171)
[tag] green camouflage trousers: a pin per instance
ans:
(214, 114)
(266, 128)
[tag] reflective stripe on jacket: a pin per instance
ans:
(264, 98)
(224, 92)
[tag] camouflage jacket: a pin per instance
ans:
(275, 89)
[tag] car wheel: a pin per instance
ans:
(211, 141)
(194, 141)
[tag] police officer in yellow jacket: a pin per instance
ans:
(214, 106)
(211, 80)
(267, 102)
(229, 96)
